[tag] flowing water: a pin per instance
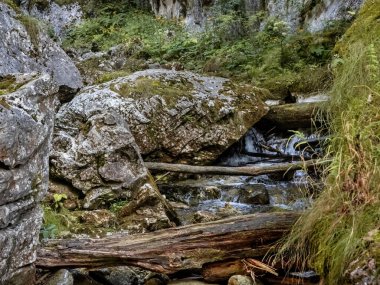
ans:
(214, 197)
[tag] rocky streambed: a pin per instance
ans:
(82, 157)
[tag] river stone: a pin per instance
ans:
(26, 124)
(120, 275)
(241, 280)
(61, 277)
(24, 49)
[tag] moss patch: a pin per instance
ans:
(144, 87)
(9, 84)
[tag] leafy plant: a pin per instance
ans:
(58, 200)
(48, 231)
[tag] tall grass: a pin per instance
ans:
(330, 236)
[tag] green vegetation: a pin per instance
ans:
(147, 87)
(56, 222)
(332, 234)
(32, 27)
(118, 205)
(232, 45)
(9, 84)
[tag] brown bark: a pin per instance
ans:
(171, 250)
(222, 170)
(222, 270)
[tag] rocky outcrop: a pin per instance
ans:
(24, 48)
(26, 125)
(299, 14)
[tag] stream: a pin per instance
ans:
(211, 197)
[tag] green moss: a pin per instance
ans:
(111, 76)
(365, 27)
(12, 4)
(4, 104)
(143, 87)
(118, 205)
(7, 84)
(32, 27)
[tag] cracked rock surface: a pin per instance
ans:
(26, 125)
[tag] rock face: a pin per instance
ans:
(26, 125)
(60, 17)
(24, 49)
(306, 14)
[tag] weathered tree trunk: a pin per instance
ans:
(222, 170)
(171, 250)
(297, 115)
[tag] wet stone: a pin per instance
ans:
(61, 277)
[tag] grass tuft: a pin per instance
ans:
(332, 234)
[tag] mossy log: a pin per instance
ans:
(223, 170)
(291, 116)
(175, 249)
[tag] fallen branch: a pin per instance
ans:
(171, 250)
(222, 170)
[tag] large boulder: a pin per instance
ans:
(163, 114)
(26, 125)
(94, 150)
(173, 116)
(24, 48)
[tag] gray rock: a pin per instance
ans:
(256, 194)
(18, 246)
(94, 150)
(61, 277)
(173, 116)
(313, 16)
(59, 17)
(118, 275)
(26, 125)
(241, 280)
(24, 48)
(167, 115)
(189, 282)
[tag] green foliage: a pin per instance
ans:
(55, 222)
(148, 87)
(58, 200)
(233, 45)
(118, 205)
(48, 231)
(332, 234)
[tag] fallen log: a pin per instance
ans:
(291, 116)
(175, 249)
(223, 170)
